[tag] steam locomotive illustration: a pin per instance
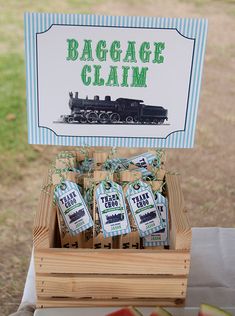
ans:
(120, 111)
(114, 218)
(147, 217)
(77, 215)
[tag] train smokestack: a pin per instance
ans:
(76, 95)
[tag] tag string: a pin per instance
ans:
(89, 194)
(66, 154)
(106, 182)
(160, 188)
(157, 161)
(115, 165)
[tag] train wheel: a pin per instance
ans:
(70, 120)
(129, 119)
(82, 119)
(92, 117)
(103, 118)
(115, 117)
(135, 119)
(158, 122)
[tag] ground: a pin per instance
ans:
(206, 171)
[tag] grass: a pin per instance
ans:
(200, 3)
(14, 148)
(13, 128)
(12, 100)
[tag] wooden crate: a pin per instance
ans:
(111, 277)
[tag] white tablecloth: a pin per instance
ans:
(212, 272)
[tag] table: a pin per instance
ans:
(212, 271)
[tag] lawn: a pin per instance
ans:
(14, 148)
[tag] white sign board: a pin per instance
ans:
(113, 81)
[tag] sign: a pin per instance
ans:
(113, 81)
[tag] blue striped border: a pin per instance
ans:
(40, 22)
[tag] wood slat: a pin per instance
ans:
(102, 286)
(112, 261)
(65, 302)
(180, 230)
(45, 219)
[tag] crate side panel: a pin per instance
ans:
(100, 287)
(180, 230)
(86, 261)
(45, 218)
(64, 302)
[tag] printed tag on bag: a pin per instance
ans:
(143, 207)
(161, 237)
(73, 207)
(143, 160)
(112, 209)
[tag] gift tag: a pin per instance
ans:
(143, 160)
(161, 237)
(143, 207)
(112, 209)
(72, 207)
